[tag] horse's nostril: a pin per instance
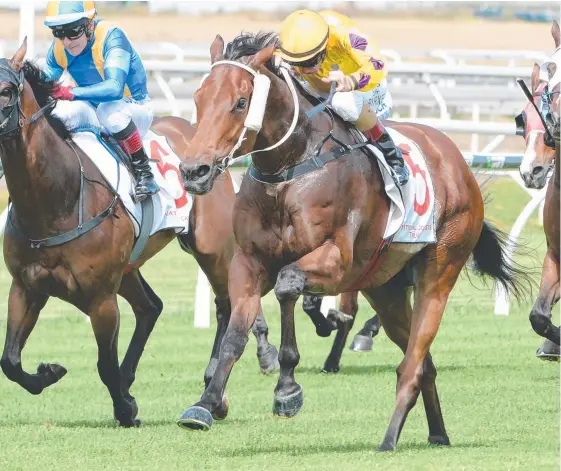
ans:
(537, 170)
(201, 170)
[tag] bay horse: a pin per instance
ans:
(538, 156)
(315, 232)
(550, 291)
(53, 187)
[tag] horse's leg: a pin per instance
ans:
(437, 272)
(312, 307)
(104, 316)
(363, 339)
(247, 285)
(540, 316)
(23, 310)
(290, 284)
(267, 353)
(348, 306)
(147, 307)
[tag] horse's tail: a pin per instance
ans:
(490, 259)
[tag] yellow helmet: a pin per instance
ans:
(65, 13)
(303, 35)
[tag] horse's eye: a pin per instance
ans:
(242, 103)
(5, 92)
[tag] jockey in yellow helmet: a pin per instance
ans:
(312, 43)
(111, 82)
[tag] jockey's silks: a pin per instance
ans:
(108, 69)
(352, 51)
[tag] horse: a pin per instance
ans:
(50, 251)
(538, 157)
(549, 291)
(311, 217)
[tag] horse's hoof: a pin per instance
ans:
(330, 367)
(385, 446)
(361, 343)
(269, 362)
(131, 424)
(221, 412)
(338, 318)
(132, 401)
(441, 440)
(196, 418)
(549, 351)
(288, 406)
(53, 372)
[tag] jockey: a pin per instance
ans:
(110, 77)
(312, 43)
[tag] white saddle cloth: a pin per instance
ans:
(172, 204)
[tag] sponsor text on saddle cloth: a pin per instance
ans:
(411, 216)
(172, 204)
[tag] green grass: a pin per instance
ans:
(500, 404)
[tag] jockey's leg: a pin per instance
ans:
(128, 121)
(360, 109)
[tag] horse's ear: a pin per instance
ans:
(551, 69)
(262, 56)
(17, 61)
(556, 33)
(217, 49)
(535, 77)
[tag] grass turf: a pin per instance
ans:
(500, 404)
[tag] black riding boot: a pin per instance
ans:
(380, 137)
(130, 141)
(145, 183)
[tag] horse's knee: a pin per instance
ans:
(290, 284)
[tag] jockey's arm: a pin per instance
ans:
(52, 71)
(367, 77)
(116, 55)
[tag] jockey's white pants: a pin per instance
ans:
(349, 105)
(112, 116)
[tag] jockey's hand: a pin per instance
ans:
(63, 92)
(344, 82)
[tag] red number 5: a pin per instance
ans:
(419, 208)
(156, 153)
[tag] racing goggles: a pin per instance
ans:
(312, 62)
(69, 32)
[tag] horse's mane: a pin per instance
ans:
(248, 44)
(43, 90)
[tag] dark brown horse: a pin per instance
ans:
(315, 232)
(549, 292)
(43, 172)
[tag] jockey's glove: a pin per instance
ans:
(345, 83)
(63, 92)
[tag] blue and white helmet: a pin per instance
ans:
(65, 13)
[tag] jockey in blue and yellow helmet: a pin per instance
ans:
(312, 43)
(111, 81)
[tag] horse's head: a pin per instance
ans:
(11, 87)
(229, 103)
(538, 157)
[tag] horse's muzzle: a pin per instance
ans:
(198, 178)
(536, 178)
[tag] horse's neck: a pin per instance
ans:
(42, 175)
(277, 121)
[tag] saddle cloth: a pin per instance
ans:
(411, 216)
(172, 204)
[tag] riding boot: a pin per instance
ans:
(380, 137)
(130, 141)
